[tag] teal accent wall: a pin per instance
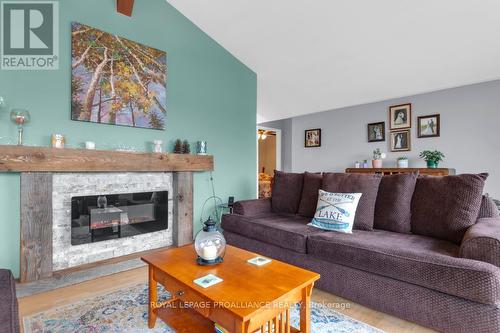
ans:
(210, 96)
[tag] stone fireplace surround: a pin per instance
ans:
(67, 185)
(46, 218)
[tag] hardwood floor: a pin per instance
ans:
(377, 319)
(44, 301)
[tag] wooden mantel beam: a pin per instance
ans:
(43, 159)
(125, 7)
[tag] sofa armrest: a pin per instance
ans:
(252, 207)
(482, 241)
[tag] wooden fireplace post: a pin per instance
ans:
(36, 226)
(183, 208)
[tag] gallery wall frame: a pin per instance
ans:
(429, 126)
(376, 132)
(400, 116)
(312, 138)
(401, 140)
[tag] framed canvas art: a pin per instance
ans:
(429, 126)
(400, 116)
(116, 81)
(400, 140)
(312, 138)
(376, 132)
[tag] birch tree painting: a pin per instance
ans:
(116, 81)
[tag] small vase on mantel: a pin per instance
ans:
(377, 164)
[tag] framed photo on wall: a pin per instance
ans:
(312, 138)
(401, 140)
(429, 126)
(376, 132)
(400, 116)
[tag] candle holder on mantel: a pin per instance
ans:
(210, 244)
(20, 117)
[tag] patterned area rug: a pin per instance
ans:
(125, 311)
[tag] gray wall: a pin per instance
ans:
(470, 133)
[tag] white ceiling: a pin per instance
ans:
(316, 55)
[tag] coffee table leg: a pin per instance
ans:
(153, 299)
(305, 310)
(241, 327)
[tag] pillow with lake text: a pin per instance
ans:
(336, 211)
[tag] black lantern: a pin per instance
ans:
(210, 244)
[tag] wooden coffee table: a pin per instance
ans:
(250, 297)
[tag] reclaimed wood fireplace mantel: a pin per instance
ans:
(37, 166)
(43, 159)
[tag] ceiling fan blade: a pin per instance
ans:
(125, 7)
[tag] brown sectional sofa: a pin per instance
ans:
(445, 285)
(9, 318)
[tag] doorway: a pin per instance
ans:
(268, 158)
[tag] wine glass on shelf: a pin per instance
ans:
(20, 117)
(3, 104)
(3, 107)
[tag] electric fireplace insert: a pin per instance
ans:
(96, 218)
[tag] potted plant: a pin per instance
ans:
(432, 157)
(403, 162)
(378, 156)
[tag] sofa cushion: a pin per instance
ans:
(356, 183)
(424, 261)
(310, 189)
(286, 231)
(393, 205)
(287, 191)
(445, 207)
(9, 317)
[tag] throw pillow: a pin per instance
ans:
(312, 185)
(366, 184)
(336, 211)
(287, 190)
(393, 205)
(445, 207)
(488, 208)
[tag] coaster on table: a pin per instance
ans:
(207, 280)
(259, 261)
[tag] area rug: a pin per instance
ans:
(125, 311)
